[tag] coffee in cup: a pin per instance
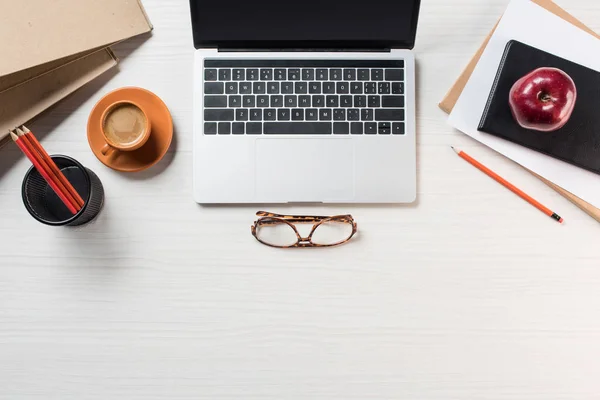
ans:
(125, 127)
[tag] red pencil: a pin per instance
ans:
(62, 180)
(43, 172)
(508, 185)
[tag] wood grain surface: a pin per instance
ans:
(469, 293)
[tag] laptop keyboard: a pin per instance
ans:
(296, 97)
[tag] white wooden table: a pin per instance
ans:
(468, 294)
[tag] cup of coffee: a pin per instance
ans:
(125, 127)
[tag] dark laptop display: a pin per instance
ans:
(305, 24)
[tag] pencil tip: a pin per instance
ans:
(13, 136)
(455, 149)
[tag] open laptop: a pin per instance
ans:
(304, 101)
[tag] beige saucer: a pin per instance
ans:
(153, 150)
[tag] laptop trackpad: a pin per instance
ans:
(310, 170)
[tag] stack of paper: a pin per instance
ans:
(580, 186)
(56, 47)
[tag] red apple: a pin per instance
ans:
(543, 100)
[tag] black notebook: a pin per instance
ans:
(578, 142)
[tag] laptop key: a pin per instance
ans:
(325, 114)
(389, 114)
(280, 74)
(273, 87)
(259, 87)
(218, 114)
(304, 101)
(291, 101)
(249, 101)
(346, 101)
(256, 114)
(360, 101)
(294, 74)
(215, 101)
(322, 74)
(252, 74)
(318, 101)
(398, 88)
(341, 128)
(373, 101)
(224, 128)
(224, 74)
(241, 114)
(287, 88)
(210, 74)
(394, 74)
(235, 101)
(384, 128)
(297, 128)
(377, 74)
(231, 88)
(237, 128)
(270, 114)
(308, 74)
(353, 114)
(214, 88)
(356, 128)
(312, 114)
(329, 87)
(343, 87)
(363, 74)
(314, 88)
(297, 114)
(398, 128)
(283, 114)
(384, 88)
(356, 88)
(339, 114)
(262, 101)
(349, 74)
(254, 128)
(210, 128)
(277, 101)
(301, 87)
(370, 128)
(370, 88)
(266, 74)
(238, 74)
(335, 74)
(392, 101)
(366, 114)
(333, 101)
(245, 88)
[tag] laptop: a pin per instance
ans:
(304, 102)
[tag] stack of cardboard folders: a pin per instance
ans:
(51, 48)
(451, 98)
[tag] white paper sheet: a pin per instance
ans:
(531, 24)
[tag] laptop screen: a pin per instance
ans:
(304, 24)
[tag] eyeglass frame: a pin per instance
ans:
(303, 242)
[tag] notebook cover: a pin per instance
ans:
(42, 31)
(578, 142)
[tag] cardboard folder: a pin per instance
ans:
(449, 101)
(21, 103)
(56, 47)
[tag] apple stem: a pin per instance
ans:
(545, 97)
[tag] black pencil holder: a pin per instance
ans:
(45, 206)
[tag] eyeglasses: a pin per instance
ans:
(280, 230)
